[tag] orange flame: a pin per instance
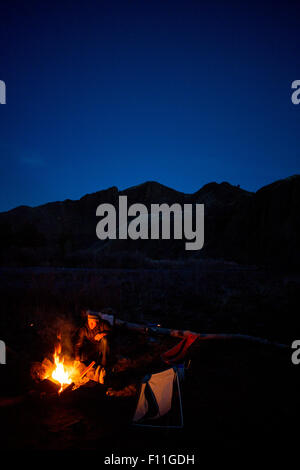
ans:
(60, 373)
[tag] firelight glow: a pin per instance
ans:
(60, 374)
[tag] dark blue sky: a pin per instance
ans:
(103, 93)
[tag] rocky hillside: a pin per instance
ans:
(256, 228)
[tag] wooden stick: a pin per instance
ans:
(69, 387)
(146, 329)
(87, 369)
(202, 336)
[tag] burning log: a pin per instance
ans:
(48, 387)
(71, 385)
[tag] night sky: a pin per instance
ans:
(115, 93)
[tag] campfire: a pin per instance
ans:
(64, 372)
(61, 374)
(58, 371)
(65, 375)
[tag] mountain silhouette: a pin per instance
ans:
(259, 228)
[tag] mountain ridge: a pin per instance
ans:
(124, 191)
(257, 228)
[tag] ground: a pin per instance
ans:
(236, 394)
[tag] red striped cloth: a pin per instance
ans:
(178, 352)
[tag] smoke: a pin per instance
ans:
(66, 334)
(60, 330)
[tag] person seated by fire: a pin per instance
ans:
(93, 343)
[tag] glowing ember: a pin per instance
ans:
(60, 374)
